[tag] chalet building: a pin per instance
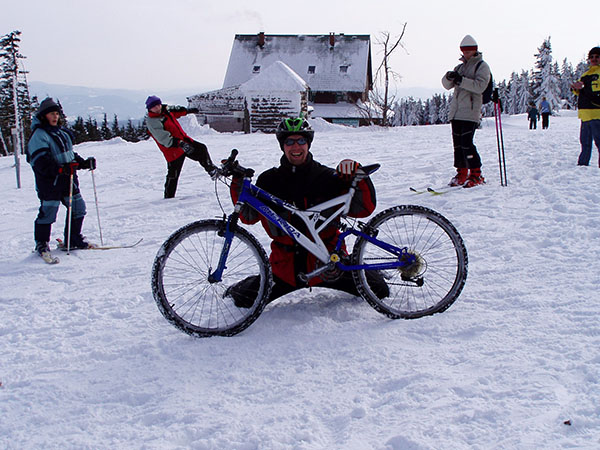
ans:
(259, 104)
(223, 109)
(278, 92)
(274, 76)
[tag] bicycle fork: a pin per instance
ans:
(230, 224)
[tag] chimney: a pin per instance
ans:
(331, 39)
(261, 39)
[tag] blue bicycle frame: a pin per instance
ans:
(315, 222)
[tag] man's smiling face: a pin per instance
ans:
(297, 152)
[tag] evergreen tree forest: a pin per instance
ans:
(14, 95)
(15, 101)
(546, 79)
(89, 130)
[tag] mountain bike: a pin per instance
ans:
(416, 251)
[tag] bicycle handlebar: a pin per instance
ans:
(231, 167)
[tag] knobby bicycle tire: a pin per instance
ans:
(181, 286)
(435, 279)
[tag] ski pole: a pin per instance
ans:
(499, 138)
(70, 209)
(502, 143)
(497, 134)
(97, 210)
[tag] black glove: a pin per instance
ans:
(89, 163)
(450, 75)
(193, 110)
(453, 75)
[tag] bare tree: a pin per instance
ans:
(384, 100)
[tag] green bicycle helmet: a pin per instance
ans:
(292, 126)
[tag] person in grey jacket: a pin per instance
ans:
(469, 79)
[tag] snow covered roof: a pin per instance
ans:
(277, 77)
(334, 62)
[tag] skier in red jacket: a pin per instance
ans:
(174, 142)
(304, 182)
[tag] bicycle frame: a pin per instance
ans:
(315, 222)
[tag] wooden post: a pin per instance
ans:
(15, 136)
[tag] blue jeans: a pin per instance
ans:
(590, 131)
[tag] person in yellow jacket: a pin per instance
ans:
(588, 91)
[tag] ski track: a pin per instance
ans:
(89, 362)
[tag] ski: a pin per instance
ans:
(63, 247)
(111, 247)
(443, 190)
(48, 258)
(434, 191)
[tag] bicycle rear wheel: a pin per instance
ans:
(436, 277)
(187, 298)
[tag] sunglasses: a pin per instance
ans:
(594, 56)
(300, 141)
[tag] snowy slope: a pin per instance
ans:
(87, 361)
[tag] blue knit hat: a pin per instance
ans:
(152, 101)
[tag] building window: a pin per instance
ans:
(311, 69)
(256, 69)
(343, 69)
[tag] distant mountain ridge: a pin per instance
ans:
(81, 101)
(95, 102)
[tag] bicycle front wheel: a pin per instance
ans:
(434, 279)
(185, 295)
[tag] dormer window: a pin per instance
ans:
(343, 69)
(311, 69)
(256, 69)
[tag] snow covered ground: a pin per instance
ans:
(87, 360)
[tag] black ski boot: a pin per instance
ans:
(77, 240)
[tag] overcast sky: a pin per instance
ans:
(185, 44)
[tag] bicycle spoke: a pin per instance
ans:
(181, 283)
(439, 270)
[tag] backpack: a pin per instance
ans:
(486, 96)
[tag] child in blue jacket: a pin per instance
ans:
(50, 153)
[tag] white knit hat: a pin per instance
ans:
(468, 43)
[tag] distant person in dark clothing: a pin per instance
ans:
(546, 111)
(174, 142)
(587, 90)
(533, 115)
